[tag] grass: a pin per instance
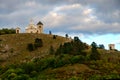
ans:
(18, 44)
(66, 72)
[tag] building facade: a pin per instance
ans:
(32, 28)
(111, 46)
(17, 30)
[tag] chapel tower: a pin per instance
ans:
(32, 28)
(39, 27)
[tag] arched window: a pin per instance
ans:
(17, 31)
(37, 31)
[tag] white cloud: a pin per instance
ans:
(53, 19)
(71, 15)
(67, 7)
(87, 11)
(31, 4)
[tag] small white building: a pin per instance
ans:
(32, 28)
(17, 30)
(111, 46)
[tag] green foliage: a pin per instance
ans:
(111, 76)
(75, 47)
(51, 51)
(95, 55)
(101, 46)
(95, 77)
(38, 43)
(30, 47)
(77, 59)
(7, 31)
(30, 70)
(71, 53)
(21, 77)
(33, 73)
(28, 67)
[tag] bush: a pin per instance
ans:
(28, 67)
(38, 43)
(54, 36)
(33, 73)
(77, 59)
(21, 77)
(111, 76)
(7, 73)
(11, 76)
(51, 51)
(95, 77)
(7, 31)
(30, 47)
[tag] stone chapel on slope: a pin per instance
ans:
(32, 28)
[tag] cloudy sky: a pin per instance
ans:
(91, 20)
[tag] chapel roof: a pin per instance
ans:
(39, 23)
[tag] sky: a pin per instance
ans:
(90, 20)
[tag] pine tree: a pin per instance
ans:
(94, 52)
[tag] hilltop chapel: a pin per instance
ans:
(32, 28)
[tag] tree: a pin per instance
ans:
(7, 31)
(94, 52)
(50, 32)
(94, 46)
(66, 35)
(75, 47)
(76, 38)
(101, 46)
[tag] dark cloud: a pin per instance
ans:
(84, 16)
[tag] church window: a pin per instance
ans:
(37, 31)
(17, 31)
(39, 26)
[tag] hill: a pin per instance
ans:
(73, 60)
(13, 47)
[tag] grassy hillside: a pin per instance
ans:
(17, 46)
(71, 61)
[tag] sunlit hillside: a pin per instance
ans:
(16, 46)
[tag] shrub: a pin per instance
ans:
(77, 59)
(21, 77)
(28, 67)
(38, 43)
(33, 73)
(54, 36)
(7, 31)
(51, 51)
(7, 73)
(11, 76)
(30, 47)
